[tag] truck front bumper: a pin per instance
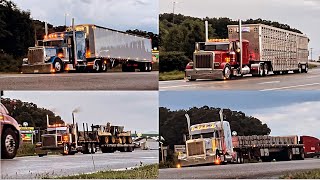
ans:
(196, 161)
(37, 68)
(192, 74)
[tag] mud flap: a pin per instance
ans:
(38, 68)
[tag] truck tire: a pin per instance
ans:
(104, 67)
(130, 149)
(9, 144)
(261, 70)
(227, 72)
(276, 72)
(305, 70)
(97, 66)
(301, 155)
(299, 70)
(266, 69)
(58, 65)
(93, 148)
(150, 67)
(129, 140)
(289, 155)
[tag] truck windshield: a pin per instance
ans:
(57, 43)
(216, 47)
(204, 135)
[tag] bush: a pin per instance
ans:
(26, 149)
(8, 63)
(170, 61)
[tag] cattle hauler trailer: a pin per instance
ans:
(257, 49)
(89, 47)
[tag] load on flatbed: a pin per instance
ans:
(213, 143)
(68, 140)
(256, 49)
(89, 47)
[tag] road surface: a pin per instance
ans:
(81, 81)
(58, 165)
(235, 171)
(303, 81)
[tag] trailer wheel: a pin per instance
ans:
(289, 155)
(130, 149)
(9, 144)
(104, 67)
(93, 148)
(301, 155)
(276, 72)
(150, 67)
(305, 69)
(261, 70)
(266, 69)
(57, 65)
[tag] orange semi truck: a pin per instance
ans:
(256, 49)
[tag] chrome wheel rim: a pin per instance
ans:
(10, 144)
(57, 65)
(227, 72)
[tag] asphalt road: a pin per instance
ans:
(58, 165)
(303, 81)
(233, 171)
(81, 81)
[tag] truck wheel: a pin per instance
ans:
(299, 69)
(301, 155)
(130, 149)
(289, 155)
(58, 66)
(150, 67)
(104, 67)
(305, 70)
(129, 140)
(261, 70)
(93, 148)
(276, 72)
(9, 144)
(266, 69)
(226, 72)
(65, 149)
(96, 66)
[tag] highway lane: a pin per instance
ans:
(81, 81)
(303, 81)
(58, 165)
(235, 171)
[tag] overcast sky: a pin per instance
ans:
(300, 14)
(285, 112)
(120, 15)
(136, 110)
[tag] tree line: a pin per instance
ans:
(181, 34)
(29, 112)
(173, 124)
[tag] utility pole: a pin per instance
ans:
(174, 4)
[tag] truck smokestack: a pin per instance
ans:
(46, 28)
(47, 120)
(221, 115)
(73, 118)
(74, 44)
(207, 30)
(240, 40)
(188, 121)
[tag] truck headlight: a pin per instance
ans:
(25, 61)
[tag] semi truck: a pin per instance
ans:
(255, 49)
(10, 134)
(214, 143)
(89, 47)
(68, 140)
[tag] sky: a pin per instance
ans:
(285, 112)
(136, 110)
(120, 15)
(300, 14)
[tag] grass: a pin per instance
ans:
(172, 75)
(26, 149)
(311, 174)
(143, 172)
(310, 66)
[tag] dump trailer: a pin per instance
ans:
(256, 49)
(68, 140)
(89, 47)
(212, 143)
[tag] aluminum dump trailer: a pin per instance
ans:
(282, 49)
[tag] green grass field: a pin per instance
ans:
(312, 174)
(144, 172)
(173, 75)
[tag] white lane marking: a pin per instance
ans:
(288, 87)
(270, 82)
(312, 76)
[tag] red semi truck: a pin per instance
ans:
(311, 146)
(10, 134)
(256, 49)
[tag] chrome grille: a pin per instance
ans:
(195, 148)
(203, 60)
(35, 55)
(48, 140)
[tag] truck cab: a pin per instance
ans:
(10, 134)
(217, 59)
